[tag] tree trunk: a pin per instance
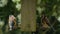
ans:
(28, 15)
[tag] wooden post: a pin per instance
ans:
(28, 15)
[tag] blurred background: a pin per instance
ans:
(51, 9)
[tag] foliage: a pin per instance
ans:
(8, 9)
(52, 11)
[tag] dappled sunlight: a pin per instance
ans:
(30, 17)
(59, 19)
(3, 3)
